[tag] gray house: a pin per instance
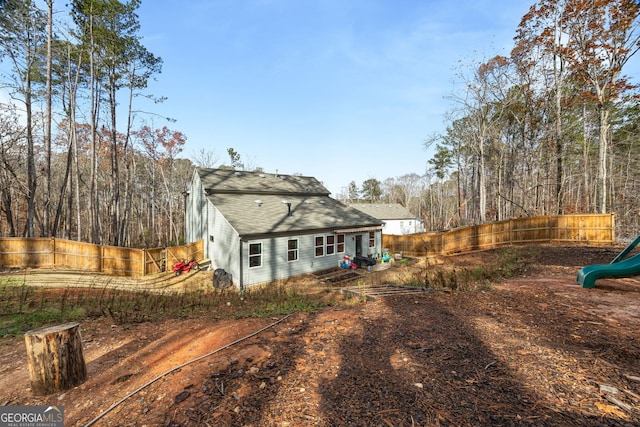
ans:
(396, 218)
(262, 227)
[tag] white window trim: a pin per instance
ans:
(296, 250)
(261, 255)
(316, 246)
(344, 243)
(327, 245)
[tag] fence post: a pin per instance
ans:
(53, 252)
(511, 231)
(612, 224)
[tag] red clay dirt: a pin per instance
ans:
(533, 350)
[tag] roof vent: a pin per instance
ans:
(288, 203)
(237, 173)
(323, 202)
(262, 175)
(258, 202)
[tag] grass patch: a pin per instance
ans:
(500, 264)
(23, 308)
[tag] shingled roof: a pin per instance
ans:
(260, 204)
(384, 211)
(230, 181)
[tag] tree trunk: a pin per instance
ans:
(47, 125)
(586, 188)
(31, 163)
(602, 159)
(56, 362)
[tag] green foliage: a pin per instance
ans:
(441, 161)
(354, 192)
(371, 190)
(234, 158)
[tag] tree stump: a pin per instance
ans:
(56, 362)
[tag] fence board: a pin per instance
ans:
(155, 261)
(77, 255)
(594, 229)
(60, 253)
(33, 253)
(122, 261)
(68, 254)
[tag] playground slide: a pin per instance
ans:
(588, 275)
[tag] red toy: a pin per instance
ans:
(185, 267)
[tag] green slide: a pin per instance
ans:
(588, 275)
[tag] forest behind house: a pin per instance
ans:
(551, 129)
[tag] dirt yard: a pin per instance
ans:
(533, 350)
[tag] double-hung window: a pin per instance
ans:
(331, 244)
(372, 239)
(255, 255)
(319, 246)
(292, 250)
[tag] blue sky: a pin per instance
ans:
(343, 90)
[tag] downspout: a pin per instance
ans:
(241, 279)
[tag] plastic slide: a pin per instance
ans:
(588, 275)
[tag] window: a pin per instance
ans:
(319, 245)
(255, 255)
(292, 250)
(372, 239)
(340, 246)
(331, 242)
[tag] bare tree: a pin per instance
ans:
(606, 38)
(206, 158)
(21, 36)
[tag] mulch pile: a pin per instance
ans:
(533, 350)
(523, 353)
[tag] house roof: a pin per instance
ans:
(230, 181)
(260, 204)
(384, 211)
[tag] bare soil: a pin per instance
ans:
(536, 350)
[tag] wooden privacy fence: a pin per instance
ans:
(67, 254)
(592, 229)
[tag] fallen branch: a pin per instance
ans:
(619, 403)
(631, 377)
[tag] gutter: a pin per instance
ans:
(358, 229)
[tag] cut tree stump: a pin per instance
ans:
(56, 362)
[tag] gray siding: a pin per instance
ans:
(196, 228)
(275, 263)
(221, 242)
(224, 250)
